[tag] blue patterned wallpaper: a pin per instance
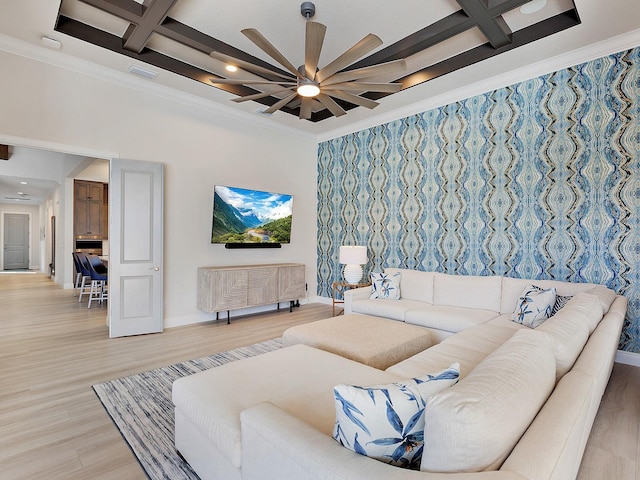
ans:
(537, 180)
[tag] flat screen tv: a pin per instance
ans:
(241, 215)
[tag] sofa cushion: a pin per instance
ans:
(450, 319)
(474, 425)
(468, 347)
(414, 284)
(534, 306)
(382, 307)
(605, 295)
(569, 330)
(386, 422)
(212, 400)
(468, 291)
(385, 285)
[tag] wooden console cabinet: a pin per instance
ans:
(242, 286)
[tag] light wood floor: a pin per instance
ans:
(52, 426)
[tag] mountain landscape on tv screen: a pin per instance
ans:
(242, 223)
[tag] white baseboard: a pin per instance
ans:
(628, 358)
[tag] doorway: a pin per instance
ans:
(16, 241)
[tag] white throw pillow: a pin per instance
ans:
(385, 285)
(386, 422)
(534, 306)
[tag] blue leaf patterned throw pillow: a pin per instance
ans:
(385, 285)
(534, 306)
(386, 422)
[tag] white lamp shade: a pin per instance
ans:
(353, 255)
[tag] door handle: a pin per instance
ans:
(156, 269)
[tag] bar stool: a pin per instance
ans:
(98, 274)
(81, 275)
(85, 284)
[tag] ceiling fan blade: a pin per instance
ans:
(261, 42)
(246, 65)
(358, 73)
(331, 105)
(257, 96)
(358, 50)
(355, 99)
(312, 47)
(305, 108)
(278, 105)
(364, 87)
(237, 81)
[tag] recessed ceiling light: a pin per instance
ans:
(231, 68)
(532, 7)
(23, 183)
(20, 193)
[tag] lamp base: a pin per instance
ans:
(353, 273)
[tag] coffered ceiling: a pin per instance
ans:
(447, 44)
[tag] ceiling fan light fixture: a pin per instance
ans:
(308, 89)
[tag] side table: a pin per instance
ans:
(338, 288)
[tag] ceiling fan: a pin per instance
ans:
(308, 86)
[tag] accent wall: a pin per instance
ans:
(537, 180)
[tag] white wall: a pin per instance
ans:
(97, 171)
(198, 147)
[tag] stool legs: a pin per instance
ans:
(98, 291)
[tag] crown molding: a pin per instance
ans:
(552, 64)
(56, 147)
(57, 58)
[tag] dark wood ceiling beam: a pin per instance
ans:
(424, 38)
(445, 28)
(4, 152)
(137, 35)
(132, 12)
(521, 37)
(494, 28)
(435, 33)
(111, 42)
(193, 38)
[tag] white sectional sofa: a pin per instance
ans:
(272, 416)
(450, 303)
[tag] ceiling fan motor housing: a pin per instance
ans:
(307, 9)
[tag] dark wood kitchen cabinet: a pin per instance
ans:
(88, 209)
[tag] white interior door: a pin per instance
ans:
(135, 249)
(16, 241)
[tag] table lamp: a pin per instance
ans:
(353, 257)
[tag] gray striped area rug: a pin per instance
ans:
(140, 406)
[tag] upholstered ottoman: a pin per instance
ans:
(374, 341)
